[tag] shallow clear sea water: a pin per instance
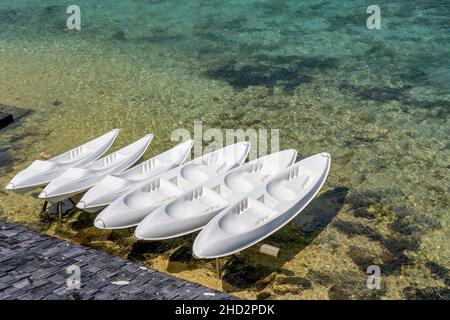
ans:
(377, 100)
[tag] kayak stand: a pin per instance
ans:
(263, 248)
(44, 207)
(58, 207)
(218, 267)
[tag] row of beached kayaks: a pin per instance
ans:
(234, 204)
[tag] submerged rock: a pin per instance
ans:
(345, 285)
(339, 292)
(263, 295)
(439, 272)
(353, 229)
(141, 249)
(293, 285)
(45, 155)
(394, 248)
(83, 220)
(428, 293)
(264, 282)
(361, 257)
(57, 103)
(242, 275)
(182, 254)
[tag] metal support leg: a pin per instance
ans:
(59, 208)
(218, 267)
(73, 202)
(44, 207)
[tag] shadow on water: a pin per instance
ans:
(244, 271)
(83, 220)
(378, 94)
(239, 274)
(7, 159)
(143, 250)
(321, 211)
(182, 258)
(287, 72)
(394, 248)
(42, 19)
(346, 285)
(178, 252)
(241, 271)
(51, 213)
(432, 293)
(402, 237)
(71, 219)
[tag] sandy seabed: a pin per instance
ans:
(385, 202)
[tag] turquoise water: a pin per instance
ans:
(377, 100)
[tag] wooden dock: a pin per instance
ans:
(34, 266)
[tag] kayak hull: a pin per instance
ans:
(131, 208)
(193, 209)
(255, 217)
(113, 187)
(77, 180)
(40, 173)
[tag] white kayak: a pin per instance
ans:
(40, 173)
(129, 209)
(112, 187)
(193, 209)
(77, 180)
(263, 211)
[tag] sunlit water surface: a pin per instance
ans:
(377, 100)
